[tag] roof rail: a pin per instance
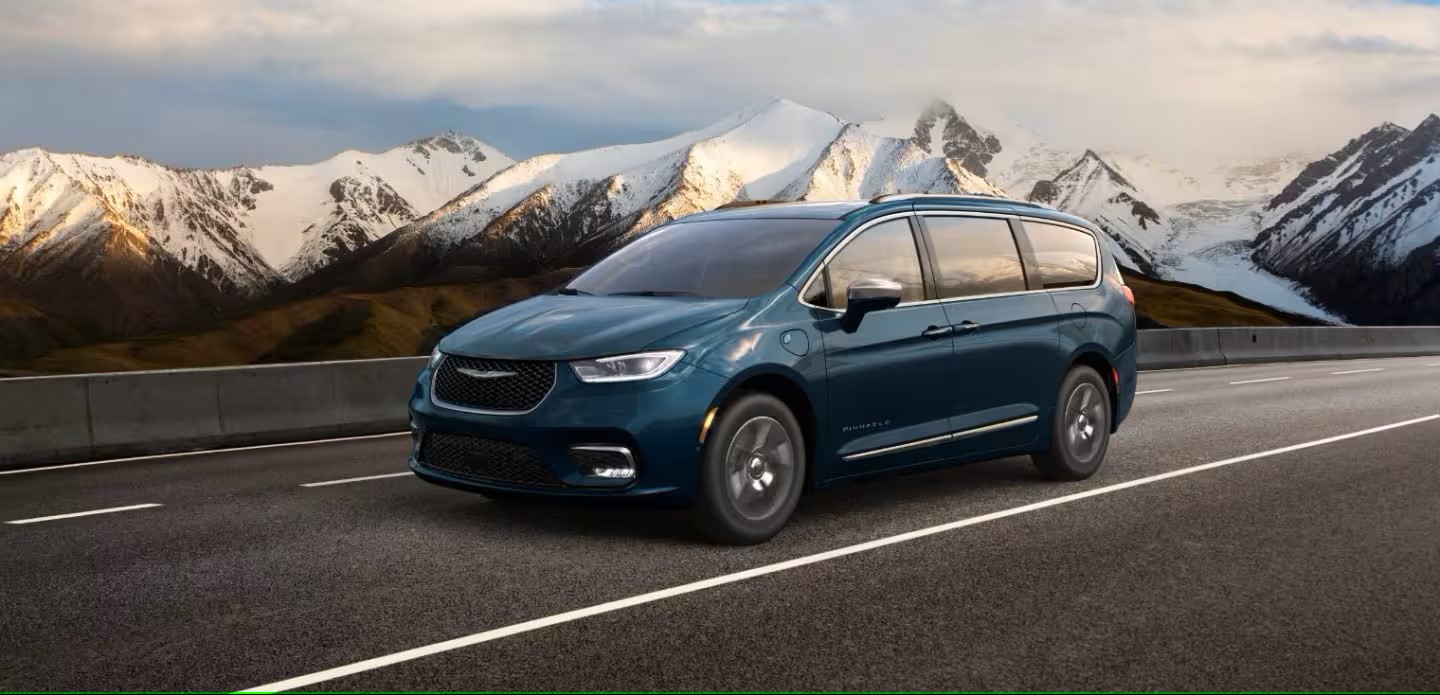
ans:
(953, 196)
(745, 204)
(903, 196)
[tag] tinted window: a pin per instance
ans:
(1066, 256)
(885, 251)
(708, 258)
(974, 256)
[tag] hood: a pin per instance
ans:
(558, 327)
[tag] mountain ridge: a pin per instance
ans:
(193, 244)
(1361, 227)
(134, 244)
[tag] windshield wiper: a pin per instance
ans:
(654, 293)
(571, 291)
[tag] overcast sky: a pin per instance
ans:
(220, 82)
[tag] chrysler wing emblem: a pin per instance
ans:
(483, 374)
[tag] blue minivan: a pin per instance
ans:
(729, 360)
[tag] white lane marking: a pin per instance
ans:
(356, 480)
(111, 510)
(570, 616)
(205, 451)
(1259, 381)
(1360, 371)
(1437, 364)
(1141, 393)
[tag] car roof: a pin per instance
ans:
(854, 209)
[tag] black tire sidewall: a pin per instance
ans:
(716, 513)
(1061, 462)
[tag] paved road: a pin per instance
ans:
(1309, 568)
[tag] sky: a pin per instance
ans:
(226, 82)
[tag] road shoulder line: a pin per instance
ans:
(701, 585)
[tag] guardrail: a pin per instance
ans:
(59, 419)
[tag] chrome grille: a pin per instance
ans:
(501, 386)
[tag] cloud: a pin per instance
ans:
(1188, 79)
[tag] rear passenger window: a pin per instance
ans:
(886, 251)
(1067, 257)
(975, 256)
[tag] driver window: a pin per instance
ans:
(885, 251)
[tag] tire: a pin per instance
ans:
(1080, 430)
(752, 471)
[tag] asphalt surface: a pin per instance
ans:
(1315, 568)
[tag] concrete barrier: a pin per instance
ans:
(134, 413)
(1171, 348)
(93, 416)
(44, 419)
(75, 418)
(1254, 345)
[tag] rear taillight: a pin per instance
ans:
(1129, 295)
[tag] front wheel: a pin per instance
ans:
(752, 471)
(1080, 432)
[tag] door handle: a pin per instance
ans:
(968, 327)
(937, 331)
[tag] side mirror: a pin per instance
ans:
(869, 294)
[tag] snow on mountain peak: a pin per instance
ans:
(1093, 189)
(860, 164)
(1361, 226)
(237, 226)
(752, 154)
(939, 129)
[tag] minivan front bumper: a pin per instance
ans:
(577, 430)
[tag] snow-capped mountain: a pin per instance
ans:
(1093, 189)
(861, 165)
(154, 242)
(538, 210)
(564, 209)
(1361, 227)
(1166, 184)
(343, 203)
(1203, 242)
(1008, 155)
(130, 244)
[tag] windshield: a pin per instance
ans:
(709, 258)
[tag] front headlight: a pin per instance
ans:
(435, 356)
(641, 365)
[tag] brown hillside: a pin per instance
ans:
(409, 321)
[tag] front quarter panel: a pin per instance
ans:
(773, 337)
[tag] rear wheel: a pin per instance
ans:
(752, 471)
(1080, 432)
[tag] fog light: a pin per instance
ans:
(604, 461)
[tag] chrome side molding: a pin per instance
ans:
(941, 439)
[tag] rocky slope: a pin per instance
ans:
(1093, 189)
(1361, 227)
(129, 244)
(562, 210)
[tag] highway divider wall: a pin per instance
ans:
(60, 419)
